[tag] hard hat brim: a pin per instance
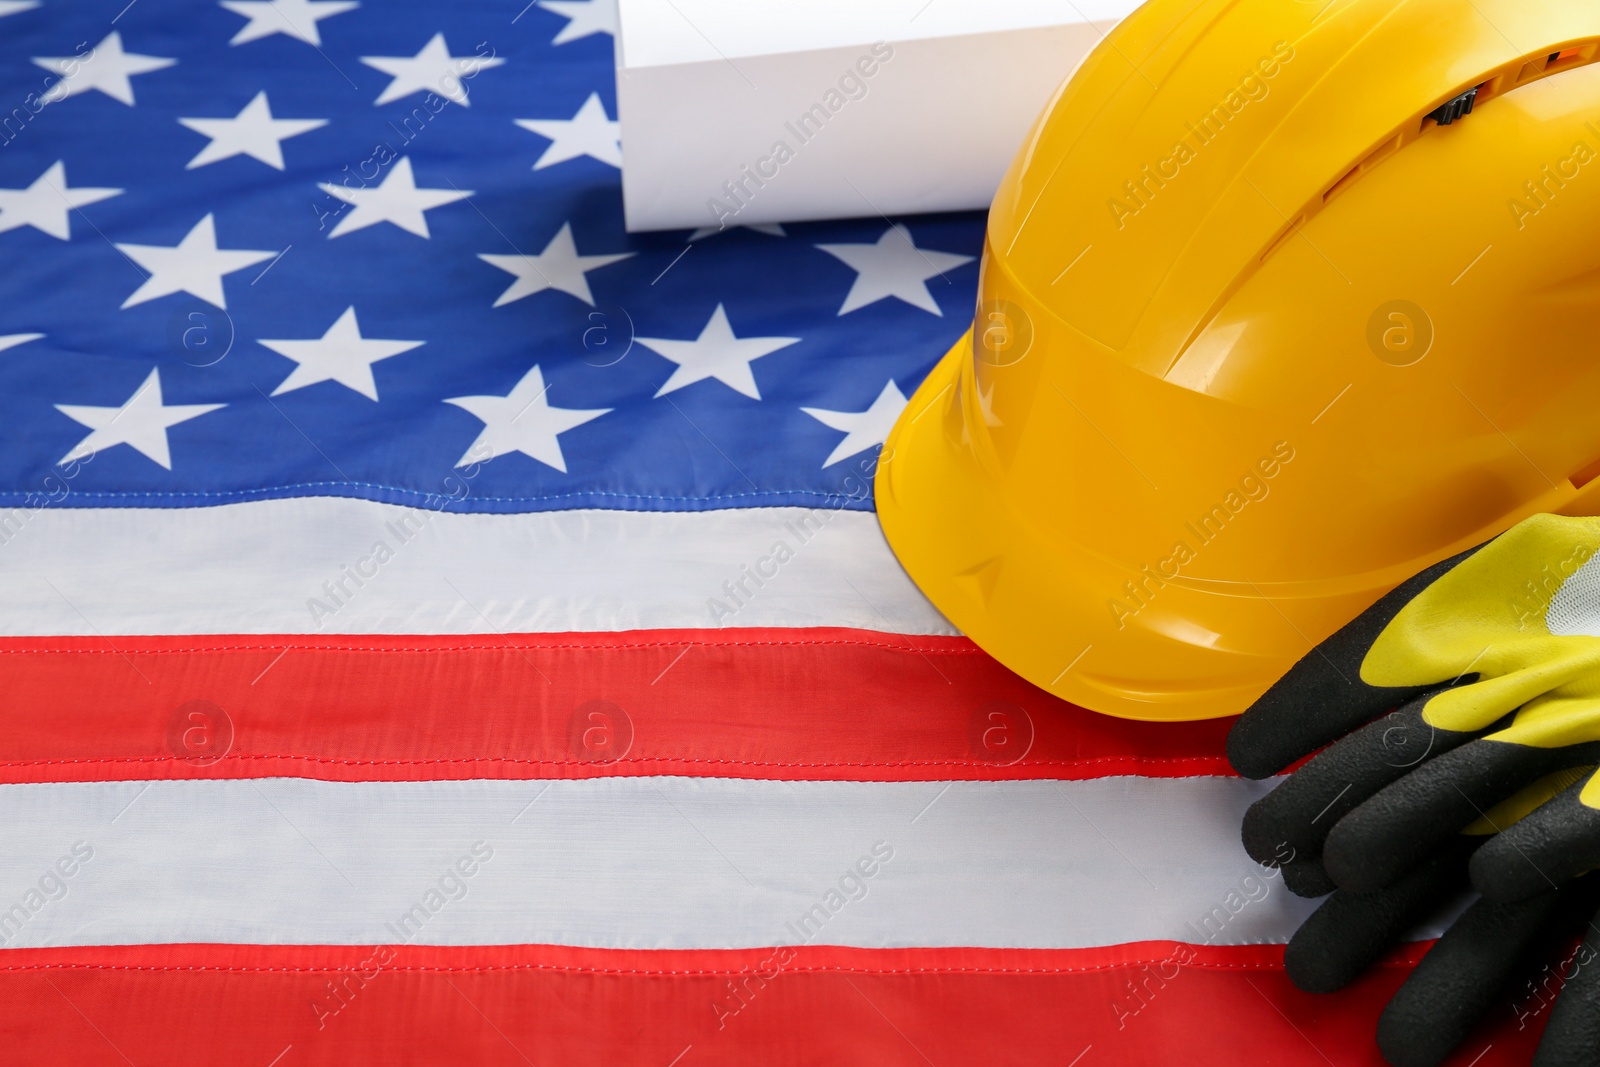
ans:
(1039, 606)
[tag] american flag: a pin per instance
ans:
(441, 627)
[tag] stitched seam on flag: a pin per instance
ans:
(938, 643)
(490, 646)
(625, 761)
(670, 973)
(241, 494)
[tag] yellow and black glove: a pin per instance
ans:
(1486, 765)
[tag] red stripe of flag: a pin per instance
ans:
(775, 704)
(515, 1005)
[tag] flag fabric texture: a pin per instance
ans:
(441, 627)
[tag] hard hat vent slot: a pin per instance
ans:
(1584, 475)
(1492, 84)
(1376, 156)
(1568, 55)
(1290, 231)
(1555, 61)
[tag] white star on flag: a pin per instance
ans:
(432, 70)
(292, 18)
(107, 69)
(584, 17)
(716, 353)
(522, 421)
(559, 266)
(894, 266)
(195, 266)
(588, 133)
(16, 7)
(141, 422)
(14, 339)
(253, 132)
(340, 355)
(862, 429)
(46, 204)
(396, 200)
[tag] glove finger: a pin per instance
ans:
(1386, 835)
(1460, 978)
(1323, 697)
(1573, 1033)
(1557, 842)
(1351, 931)
(1304, 876)
(1302, 810)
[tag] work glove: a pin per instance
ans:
(1490, 662)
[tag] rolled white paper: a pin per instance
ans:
(736, 112)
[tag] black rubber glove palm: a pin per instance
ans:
(1491, 661)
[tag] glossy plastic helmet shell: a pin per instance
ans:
(1281, 302)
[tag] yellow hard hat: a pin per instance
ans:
(1281, 302)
